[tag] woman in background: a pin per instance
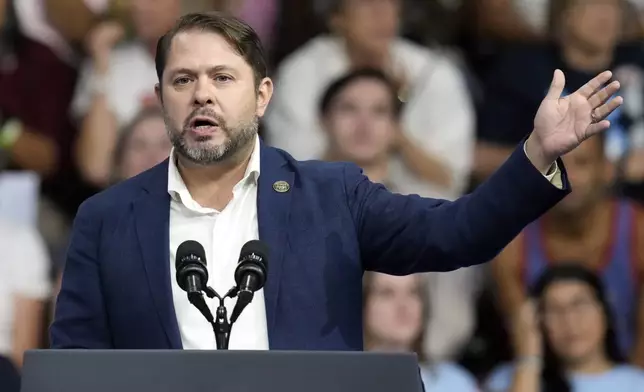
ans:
(143, 144)
(395, 315)
(569, 342)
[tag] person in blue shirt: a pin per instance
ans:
(569, 342)
(396, 311)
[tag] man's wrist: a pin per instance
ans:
(538, 159)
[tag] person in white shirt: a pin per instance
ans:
(25, 286)
(438, 115)
(115, 83)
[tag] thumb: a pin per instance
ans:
(557, 85)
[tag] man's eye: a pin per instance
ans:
(182, 80)
(223, 78)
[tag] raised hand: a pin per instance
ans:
(563, 123)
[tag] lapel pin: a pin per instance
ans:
(281, 186)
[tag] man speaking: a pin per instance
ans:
(324, 223)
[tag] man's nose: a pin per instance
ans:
(204, 94)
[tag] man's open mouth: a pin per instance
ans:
(202, 122)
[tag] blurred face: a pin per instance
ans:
(588, 170)
(153, 18)
(394, 311)
(209, 97)
(574, 321)
(148, 145)
(370, 24)
(361, 121)
(595, 24)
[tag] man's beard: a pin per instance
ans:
(202, 153)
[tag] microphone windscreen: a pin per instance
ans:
(190, 249)
(256, 247)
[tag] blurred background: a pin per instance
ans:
(427, 96)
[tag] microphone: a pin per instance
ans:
(250, 274)
(192, 274)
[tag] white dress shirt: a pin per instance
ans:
(222, 234)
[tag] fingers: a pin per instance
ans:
(594, 84)
(594, 129)
(603, 95)
(606, 109)
(557, 85)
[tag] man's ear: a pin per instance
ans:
(157, 92)
(264, 94)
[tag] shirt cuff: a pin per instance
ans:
(553, 174)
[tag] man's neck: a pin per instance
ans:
(582, 59)
(211, 185)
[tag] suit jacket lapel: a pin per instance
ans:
(152, 216)
(273, 207)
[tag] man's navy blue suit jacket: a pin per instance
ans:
(331, 226)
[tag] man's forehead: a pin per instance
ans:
(202, 46)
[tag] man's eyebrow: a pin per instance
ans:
(188, 71)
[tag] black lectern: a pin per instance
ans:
(218, 371)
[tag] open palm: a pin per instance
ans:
(562, 123)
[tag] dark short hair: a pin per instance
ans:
(339, 85)
(236, 32)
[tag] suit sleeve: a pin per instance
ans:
(401, 234)
(80, 319)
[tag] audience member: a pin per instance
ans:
(586, 37)
(512, 20)
(600, 231)
(34, 126)
(261, 15)
(360, 113)
(117, 82)
(568, 340)
(395, 310)
(24, 290)
(143, 144)
(437, 115)
(529, 20)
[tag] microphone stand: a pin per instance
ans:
(221, 326)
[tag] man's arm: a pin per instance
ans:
(410, 234)
(80, 319)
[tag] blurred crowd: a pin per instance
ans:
(429, 97)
